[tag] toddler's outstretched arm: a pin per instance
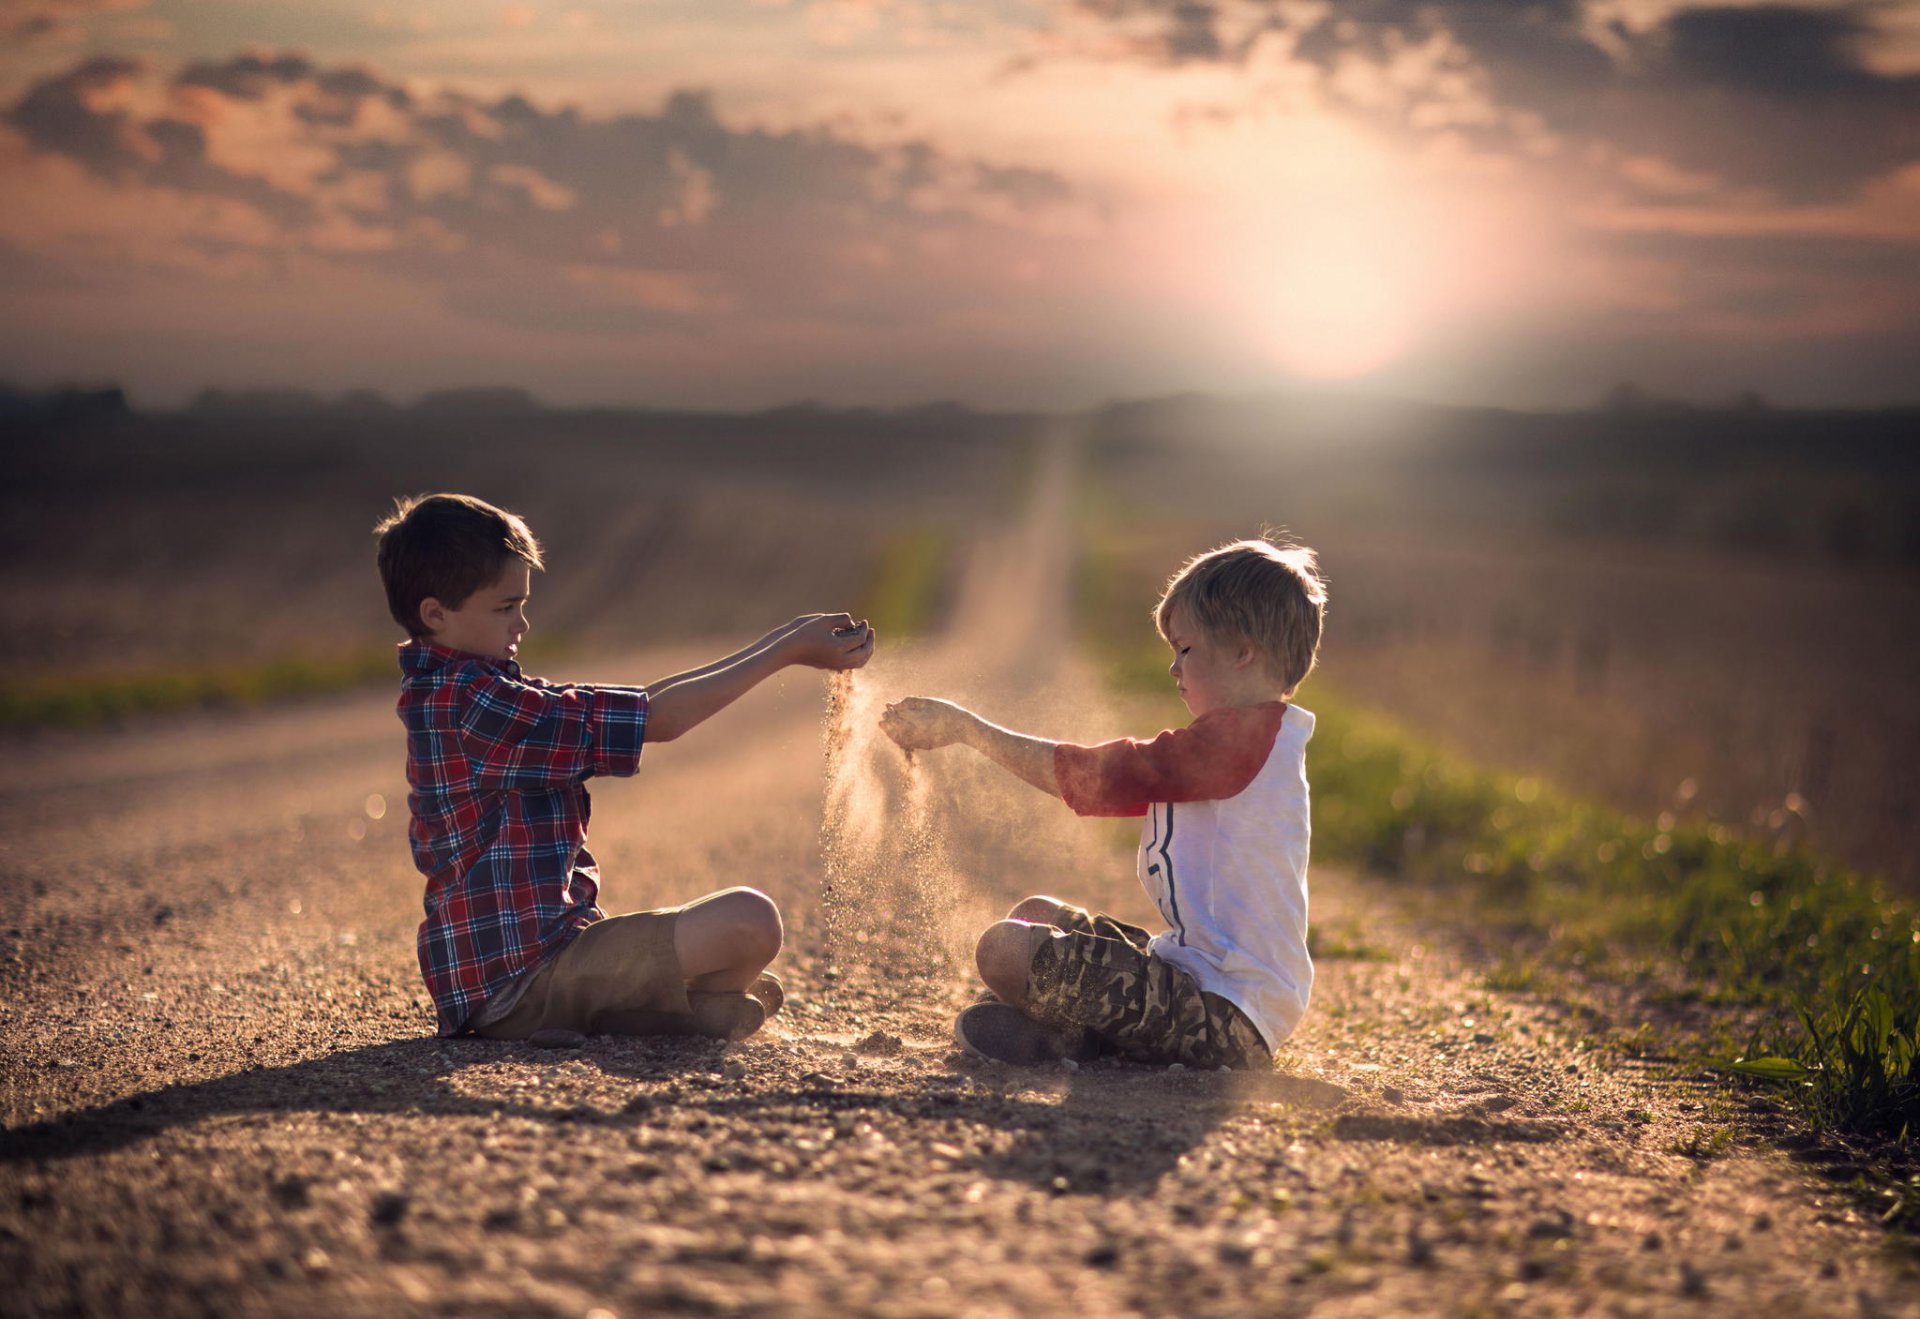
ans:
(820, 641)
(922, 723)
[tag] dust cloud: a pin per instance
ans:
(890, 888)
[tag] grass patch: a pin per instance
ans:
(1821, 948)
(912, 584)
(83, 700)
(87, 700)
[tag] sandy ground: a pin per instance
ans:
(221, 1096)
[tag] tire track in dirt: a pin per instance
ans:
(236, 1109)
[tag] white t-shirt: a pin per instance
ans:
(1223, 848)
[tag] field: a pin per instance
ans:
(1712, 615)
(216, 1078)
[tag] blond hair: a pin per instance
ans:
(1265, 594)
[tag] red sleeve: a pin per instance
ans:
(1212, 758)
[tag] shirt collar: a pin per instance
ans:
(418, 658)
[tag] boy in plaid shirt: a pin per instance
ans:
(513, 943)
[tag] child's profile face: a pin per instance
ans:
(489, 622)
(1207, 673)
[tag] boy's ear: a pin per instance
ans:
(433, 614)
(1245, 655)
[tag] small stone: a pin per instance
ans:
(293, 1191)
(1556, 1228)
(1235, 1254)
(1763, 1222)
(1069, 1065)
(1103, 1256)
(1393, 1095)
(1176, 1067)
(1652, 1241)
(1692, 1281)
(734, 1071)
(556, 1038)
(389, 1207)
(849, 1059)
(881, 1044)
(1483, 1039)
(1497, 1104)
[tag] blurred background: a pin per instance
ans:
(1579, 336)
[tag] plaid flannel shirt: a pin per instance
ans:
(498, 765)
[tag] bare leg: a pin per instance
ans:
(726, 939)
(1038, 910)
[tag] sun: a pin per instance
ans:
(1323, 249)
(1331, 295)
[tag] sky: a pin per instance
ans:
(1009, 203)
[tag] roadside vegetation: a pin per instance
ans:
(86, 699)
(912, 582)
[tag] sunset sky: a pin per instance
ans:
(1006, 202)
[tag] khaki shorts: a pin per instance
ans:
(618, 976)
(1095, 973)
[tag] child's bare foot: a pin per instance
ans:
(726, 1016)
(767, 988)
(1002, 1033)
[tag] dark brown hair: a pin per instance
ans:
(446, 547)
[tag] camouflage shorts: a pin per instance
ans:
(1096, 974)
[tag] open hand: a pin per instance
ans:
(921, 723)
(828, 641)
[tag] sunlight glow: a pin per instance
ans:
(1332, 298)
(1331, 260)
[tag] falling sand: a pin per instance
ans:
(890, 890)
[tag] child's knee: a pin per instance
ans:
(753, 922)
(1038, 910)
(1003, 954)
(759, 921)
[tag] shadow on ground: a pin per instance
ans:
(1109, 1127)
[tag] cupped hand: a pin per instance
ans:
(922, 723)
(829, 641)
(776, 633)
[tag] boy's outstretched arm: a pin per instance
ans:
(820, 641)
(922, 723)
(660, 685)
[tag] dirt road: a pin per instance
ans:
(221, 1095)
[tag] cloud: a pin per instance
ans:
(321, 150)
(58, 20)
(540, 217)
(1778, 96)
